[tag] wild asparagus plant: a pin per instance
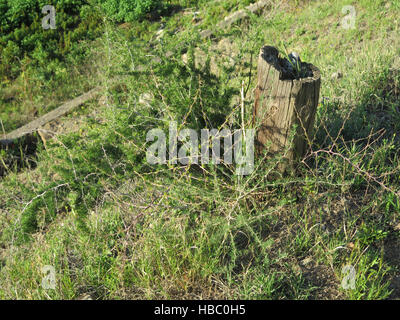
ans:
(293, 65)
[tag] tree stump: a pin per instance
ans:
(282, 102)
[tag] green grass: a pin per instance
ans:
(114, 227)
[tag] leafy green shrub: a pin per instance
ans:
(21, 33)
(130, 10)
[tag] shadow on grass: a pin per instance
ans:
(374, 124)
(377, 111)
(18, 155)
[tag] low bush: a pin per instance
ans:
(130, 10)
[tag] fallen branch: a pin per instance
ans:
(35, 125)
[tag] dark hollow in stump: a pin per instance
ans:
(282, 102)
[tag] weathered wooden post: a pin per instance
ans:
(286, 95)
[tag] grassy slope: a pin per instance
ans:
(114, 229)
(38, 80)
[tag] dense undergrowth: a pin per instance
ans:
(114, 226)
(36, 62)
